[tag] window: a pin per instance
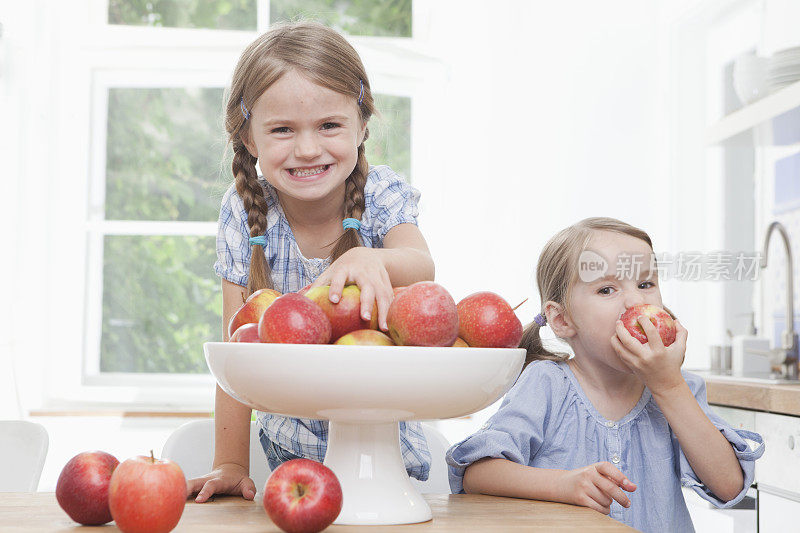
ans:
(159, 167)
(220, 15)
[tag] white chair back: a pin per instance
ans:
(192, 447)
(23, 449)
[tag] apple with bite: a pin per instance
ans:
(82, 487)
(302, 496)
(423, 314)
(246, 333)
(294, 319)
(345, 315)
(659, 318)
(147, 495)
(251, 310)
(485, 320)
(365, 337)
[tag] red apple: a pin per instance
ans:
(253, 307)
(485, 320)
(82, 487)
(423, 314)
(660, 319)
(366, 337)
(302, 496)
(345, 315)
(246, 333)
(294, 319)
(147, 495)
(460, 343)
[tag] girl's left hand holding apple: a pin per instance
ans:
(659, 366)
(365, 268)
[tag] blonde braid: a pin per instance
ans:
(252, 195)
(353, 204)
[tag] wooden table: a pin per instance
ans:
(457, 513)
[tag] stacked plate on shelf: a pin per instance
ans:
(783, 68)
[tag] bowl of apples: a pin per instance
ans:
(365, 382)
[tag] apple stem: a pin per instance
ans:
(522, 302)
(152, 459)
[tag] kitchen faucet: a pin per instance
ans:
(789, 352)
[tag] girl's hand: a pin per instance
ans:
(659, 366)
(365, 268)
(225, 479)
(596, 486)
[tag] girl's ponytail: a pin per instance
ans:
(532, 343)
(255, 204)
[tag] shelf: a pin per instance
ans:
(754, 114)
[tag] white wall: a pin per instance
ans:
(553, 113)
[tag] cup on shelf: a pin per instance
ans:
(750, 77)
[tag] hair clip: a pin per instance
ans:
(245, 112)
(351, 223)
(361, 92)
(540, 319)
(261, 239)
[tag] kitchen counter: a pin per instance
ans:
(777, 398)
(22, 512)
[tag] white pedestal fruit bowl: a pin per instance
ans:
(364, 391)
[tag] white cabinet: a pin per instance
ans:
(778, 473)
(777, 514)
(779, 467)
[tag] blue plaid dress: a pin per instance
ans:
(389, 201)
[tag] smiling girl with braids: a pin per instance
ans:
(298, 106)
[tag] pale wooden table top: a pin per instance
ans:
(459, 513)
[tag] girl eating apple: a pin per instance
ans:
(618, 427)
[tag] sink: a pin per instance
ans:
(760, 378)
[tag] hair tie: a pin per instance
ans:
(245, 112)
(361, 92)
(351, 223)
(540, 319)
(261, 239)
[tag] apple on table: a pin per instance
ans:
(147, 495)
(82, 487)
(302, 496)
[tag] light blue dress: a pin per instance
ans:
(547, 421)
(389, 201)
